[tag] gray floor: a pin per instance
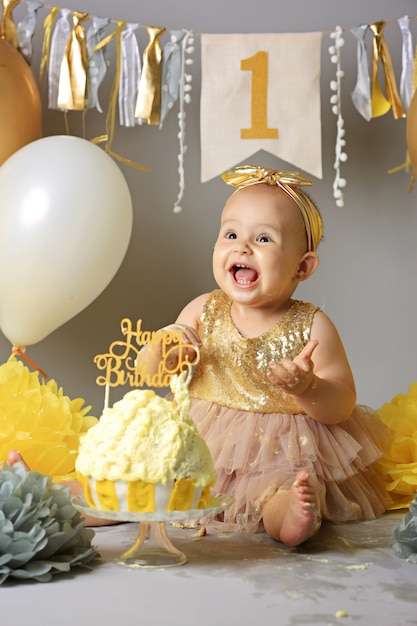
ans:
(348, 575)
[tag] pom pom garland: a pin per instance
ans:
(335, 85)
(185, 98)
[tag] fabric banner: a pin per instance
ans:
(260, 92)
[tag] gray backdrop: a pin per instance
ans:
(366, 279)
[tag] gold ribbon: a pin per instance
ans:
(111, 111)
(7, 25)
(148, 102)
(407, 165)
(47, 27)
(74, 69)
(380, 51)
(246, 175)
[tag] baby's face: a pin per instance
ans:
(260, 246)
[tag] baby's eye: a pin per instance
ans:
(230, 235)
(263, 239)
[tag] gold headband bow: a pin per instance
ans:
(246, 175)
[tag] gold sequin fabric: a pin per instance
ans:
(232, 371)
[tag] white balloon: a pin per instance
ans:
(65, 225)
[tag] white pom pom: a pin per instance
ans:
(340, 202)
(343, 157)
(335, 109)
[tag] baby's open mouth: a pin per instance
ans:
(244, 275)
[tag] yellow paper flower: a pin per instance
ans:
(39, 421)
(399, 464)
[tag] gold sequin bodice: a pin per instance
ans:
(233, 369)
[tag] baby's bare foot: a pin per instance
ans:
(302, 519)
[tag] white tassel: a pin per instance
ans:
(130, 72)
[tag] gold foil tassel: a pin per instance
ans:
(74, 68)
(380, 51)
(148, 102)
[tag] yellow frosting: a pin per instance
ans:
(145, 437)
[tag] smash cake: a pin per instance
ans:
(145, 455)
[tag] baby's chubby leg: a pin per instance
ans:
(293, 515)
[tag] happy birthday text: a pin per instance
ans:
(122, 364)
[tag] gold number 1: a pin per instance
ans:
(258, 65)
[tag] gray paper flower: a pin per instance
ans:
(41, 532)
(404, 542)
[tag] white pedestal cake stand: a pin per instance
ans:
(153, 548)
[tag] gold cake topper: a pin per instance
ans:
(121, 366)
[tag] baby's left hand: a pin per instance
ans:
(296, 376)
(14, 457)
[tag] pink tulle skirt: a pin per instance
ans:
(255, 454)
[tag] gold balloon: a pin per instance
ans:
(411, 131)
(20, 102)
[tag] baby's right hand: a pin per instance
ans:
(188, 336)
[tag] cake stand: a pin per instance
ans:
(153, 548)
